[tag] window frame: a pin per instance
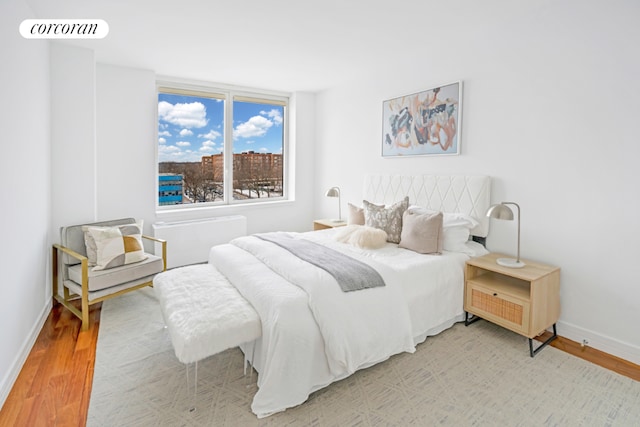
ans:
(229, 94)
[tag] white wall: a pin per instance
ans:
(550, 111)
(125, 123)
(25, 173)
(73, 136)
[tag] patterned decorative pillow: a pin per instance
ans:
(90, 246)
(117, 246)
(422, 233)
(388, 219)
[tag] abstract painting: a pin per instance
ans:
(423, 123)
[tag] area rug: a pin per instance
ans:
(479, 375)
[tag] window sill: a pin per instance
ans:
(188, 213)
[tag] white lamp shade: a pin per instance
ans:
(502, 211)
(335, 192)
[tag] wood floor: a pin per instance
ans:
(54, 386)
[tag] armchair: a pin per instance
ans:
(92, 284)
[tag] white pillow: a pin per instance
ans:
(450, 219)
(455, 239)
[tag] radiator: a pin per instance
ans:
(189, 242)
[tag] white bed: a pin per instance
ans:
(313, 333)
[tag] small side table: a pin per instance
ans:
(524, 300)
(322, 224)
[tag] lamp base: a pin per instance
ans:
(338, 221)
(510, 262)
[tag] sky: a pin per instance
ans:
(191, 127)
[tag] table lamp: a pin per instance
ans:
(502, 211)
(335, 192)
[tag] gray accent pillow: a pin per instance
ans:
(422, 233)
(388, 219)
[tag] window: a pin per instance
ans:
(220, 146)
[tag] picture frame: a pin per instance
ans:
(425, 123)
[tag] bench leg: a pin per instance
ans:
(195, 385)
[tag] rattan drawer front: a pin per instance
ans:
(501, 309)
(495, 305)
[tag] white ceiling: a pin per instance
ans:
(288, 45)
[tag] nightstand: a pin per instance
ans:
(322, 224)
(524, 300)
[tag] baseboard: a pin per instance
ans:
(623, 350)
(16, 366)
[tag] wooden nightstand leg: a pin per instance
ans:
(533, 352)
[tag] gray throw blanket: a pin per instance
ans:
(351, 274)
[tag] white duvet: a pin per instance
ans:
(313, 333)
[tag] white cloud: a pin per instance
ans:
(183, 144)
(263, 150)
(185, 132)
(164, 133)
(274, 115)
(171, 153)
(162, 140)
(192, 115)
(211, 135)
(255, 126)
(207, 149)
(208, 143)
(167, 149)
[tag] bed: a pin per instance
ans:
(313, 333)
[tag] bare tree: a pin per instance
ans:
(252, 178)
(194, 180)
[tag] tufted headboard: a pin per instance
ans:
(468, 194)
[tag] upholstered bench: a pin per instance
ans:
(204, 312)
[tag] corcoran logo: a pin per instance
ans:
(64, 29)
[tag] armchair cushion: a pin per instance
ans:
(116, 246)
(102, 279)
